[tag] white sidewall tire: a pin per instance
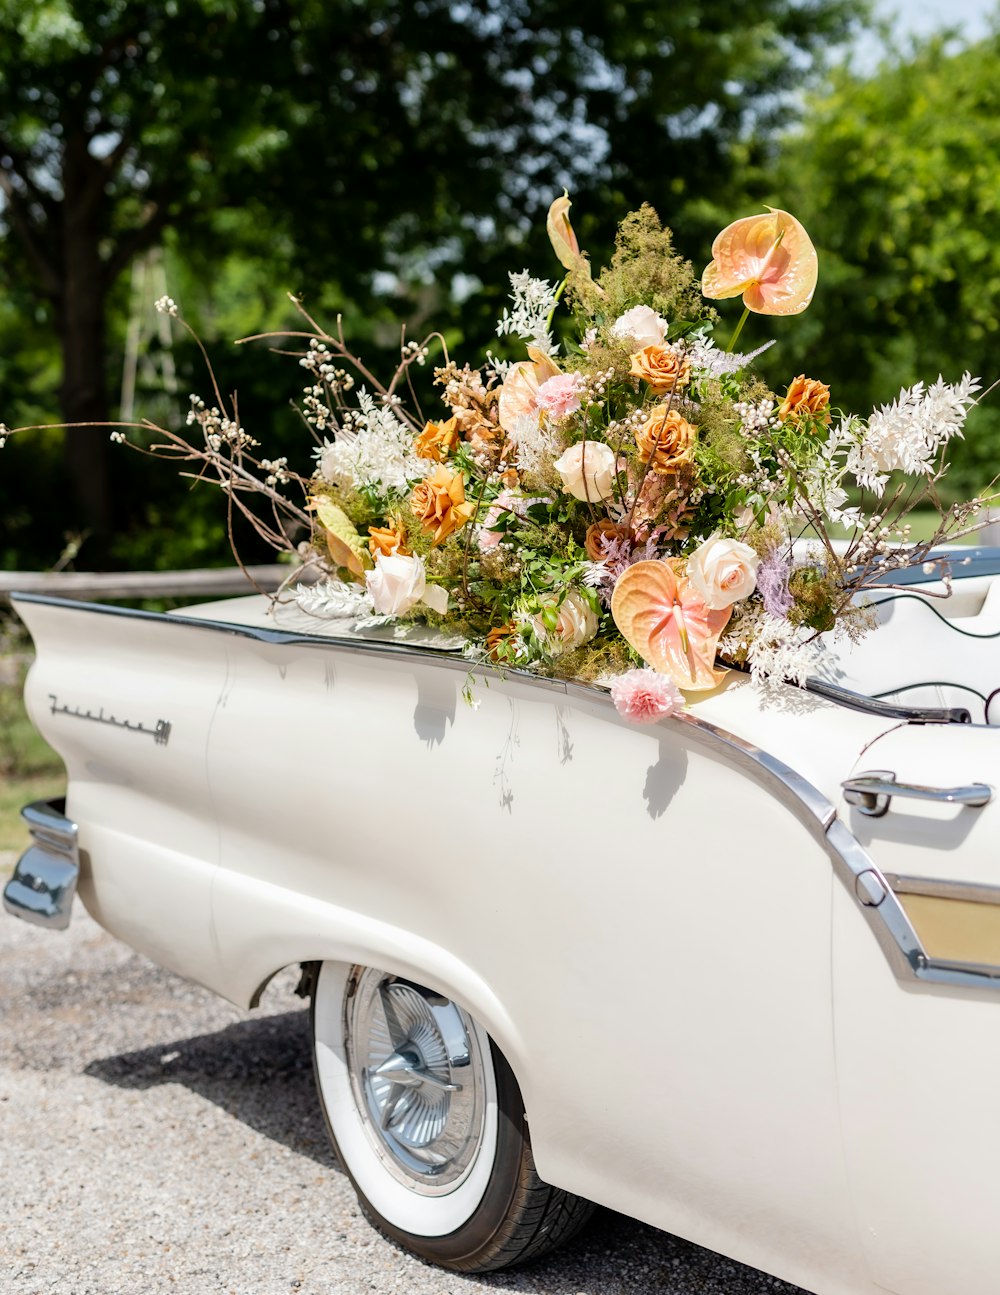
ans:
(403, 1207)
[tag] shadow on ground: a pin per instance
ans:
(259, 1071)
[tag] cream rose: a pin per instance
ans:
(576, 622)
(722, 571)
(588, 470)
(642, 324)
(399, 582)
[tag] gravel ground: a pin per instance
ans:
(155, 1139)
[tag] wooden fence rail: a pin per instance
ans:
(142, 584)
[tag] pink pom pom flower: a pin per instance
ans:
(560, 395)
(644, 696)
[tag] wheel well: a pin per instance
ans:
(309, 970)
(304, 989)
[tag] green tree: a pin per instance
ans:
(897, 177)
(414, 136)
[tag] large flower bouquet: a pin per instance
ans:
(628, 504)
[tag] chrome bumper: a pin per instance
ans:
(44, 881)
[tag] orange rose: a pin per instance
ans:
(606, 530)
(665, 440)
(497, 640)
(661, 368)
(387, 540)
(439, 502)
(806, 398)
(437, 440)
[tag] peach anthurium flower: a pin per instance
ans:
(563, 239)
(519, 393)
(668, 624)
(769, 260)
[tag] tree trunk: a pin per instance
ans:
(82, 326)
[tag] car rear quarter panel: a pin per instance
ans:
(148, 833)
(644, 929)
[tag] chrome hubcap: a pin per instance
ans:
(416, 1072)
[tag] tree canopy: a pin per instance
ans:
(347, 138)
(897, 178)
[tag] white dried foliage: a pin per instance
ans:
(534, 446)
(906, 435)
(334, 600)
(777, 651)
(374, 452)
(533, 300)
(708, 361)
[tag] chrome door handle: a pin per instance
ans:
(871, 792)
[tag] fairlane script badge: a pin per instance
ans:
(160, 734)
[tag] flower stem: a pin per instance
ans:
(739, 329)
(559, 292)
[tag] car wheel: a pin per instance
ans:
(426, 1118)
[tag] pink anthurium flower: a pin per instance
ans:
(668, 624)
(769, 260)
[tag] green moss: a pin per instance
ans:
(720, 436)
(602, 658)
(356, 505)
(816, 596)
(645, 270)
(765, 539)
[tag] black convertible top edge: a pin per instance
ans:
(888, 710)
(964, 563)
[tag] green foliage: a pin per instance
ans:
(897, 178)
(29, 768)
(816, 598)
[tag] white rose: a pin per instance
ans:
(576, 622)
(588, 470)
(397, 584)
(642, 324)
(723, 571)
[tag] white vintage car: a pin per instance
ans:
(735, 973)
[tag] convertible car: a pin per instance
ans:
(734, 973)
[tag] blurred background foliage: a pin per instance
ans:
(391, 160)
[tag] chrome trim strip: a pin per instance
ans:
(957, 973)
(937, 888)
(44, 882)
(351, 643)
(855, 868)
